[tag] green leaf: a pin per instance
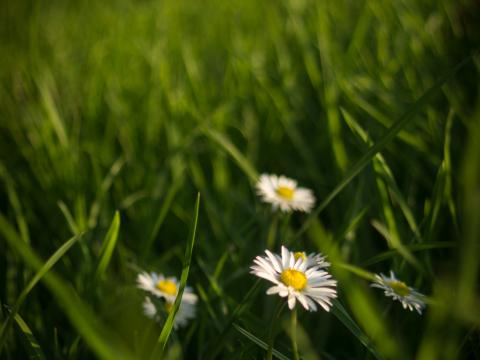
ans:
(167, 327)
(108, 246)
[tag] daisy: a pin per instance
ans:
(186, 311)
(284, 194)
(164, 287)
(297, 277)
(398, 290)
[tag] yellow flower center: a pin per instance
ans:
(294, 278)
(167, 286)
(400, 288)
(285, 192)
(300, 255)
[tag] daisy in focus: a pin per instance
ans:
(185, 313)
(165, 291)
(297, 277)
(284, 194)
(398, 290)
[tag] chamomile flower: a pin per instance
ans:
(164, 287)
(297, 277)
(185, 313)
(398, 290)
(284, 194)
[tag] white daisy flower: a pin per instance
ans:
(185, 312)
(398, 290)
(161, 286)
(297, 277)
(284, 194)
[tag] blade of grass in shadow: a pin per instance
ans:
(381, 144)
(100, 338)
(226, 144)
(216, 347)
(108, 245)
(259, 342)
(384, 171)
(33, 347)
(341, 314)
(38, 276)
(167, 328)
(413, 248)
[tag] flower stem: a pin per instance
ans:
(294, 334)
(272, 232)
(271, 332)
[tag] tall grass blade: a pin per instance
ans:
(33, 282)
(382, 143)
(33, 347)
(227, 145)
(259, 342)
(108, 246)
(95, 333)
(167, 328)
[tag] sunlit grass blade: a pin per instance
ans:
(383, 170)
(227, 145)
(33, 347)
(168, 326)
(95, 333)
(413, 248)
(405, 119)
(108, 246)
(259, 342)
(36, 278)
(102, 191)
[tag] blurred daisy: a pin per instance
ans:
(161, 286)
(297, 277)
(185, 313)
(284, 194)
(398, 290)
(312, 259)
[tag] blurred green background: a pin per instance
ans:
(136, 105)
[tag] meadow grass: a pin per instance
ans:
(115, 115)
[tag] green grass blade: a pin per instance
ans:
(166, 204)
(227, 145)
(95, 333)
(341, 314)
(167, 328)
(33, 348)
(382, 143)
(38, 276)
(108, 246)
(413, 248)
(259, 342)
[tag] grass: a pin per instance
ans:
(116, 114)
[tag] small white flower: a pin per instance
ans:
(284, 194)
(186, 311)
(398, 290)
(161, 286)
(297, 277)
